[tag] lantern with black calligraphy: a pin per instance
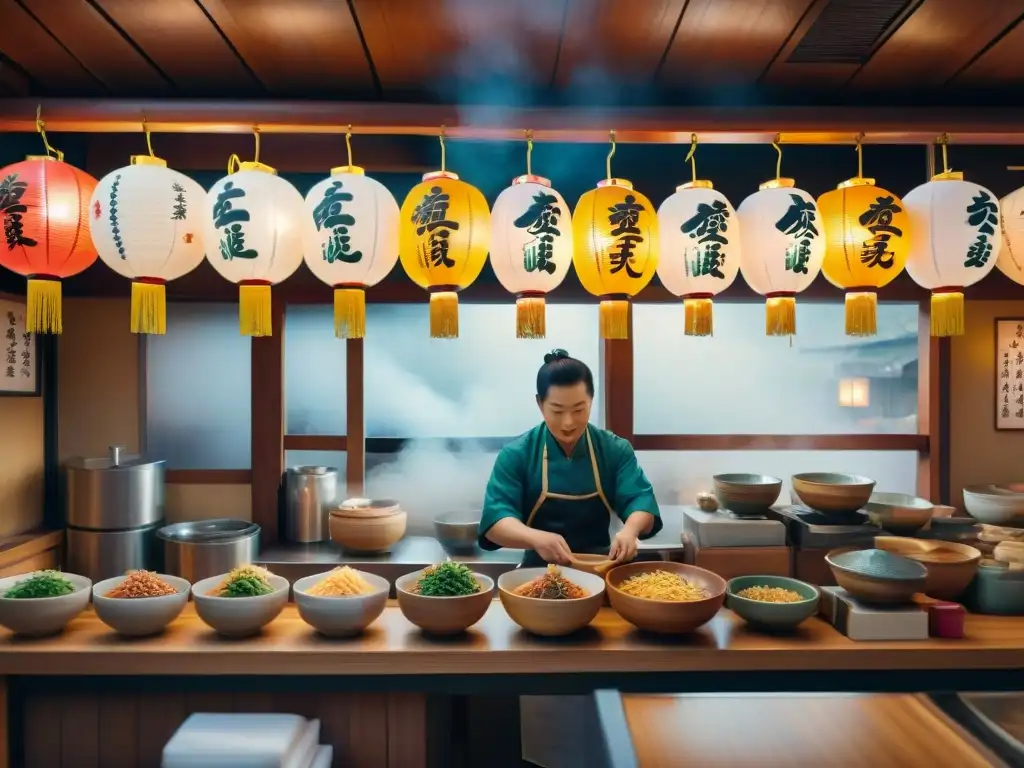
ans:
(444, 237)
(782, 249)
(956, 243)
(255, 229)
(1011, 255)
(700, 250)
(146, 224)
(532, 248)
(353, 243)
(44, 204)
(615, 249)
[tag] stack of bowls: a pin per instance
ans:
(876, 576)
(341, 616)
(951, 566)
(239, 616)
(994, 505)
(39, 616)
(898, 512)
(747, 495)
(551, 618)
(443, 615)
(139, 616)
(662, 616)
(367, 526)
(832, 493)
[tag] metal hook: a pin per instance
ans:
(943, 141)
(689, 155)
(778, 162)
(348, 144)
(611, 154)
(41, 128)
(529, 151)
(860, 155)
(440, 138)
(256, 135)
(149, 142)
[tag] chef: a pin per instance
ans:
(554, 489)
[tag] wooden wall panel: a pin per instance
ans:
(30, 46)
(355, 417)
(617, 383)
(268, 426)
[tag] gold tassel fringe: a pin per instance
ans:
(698, 317)
(947, 314)
(43, 311)
(149, 308)
(349, 313)
(254, 316)
(614, 316)
(531, 317)
(861, 314)
(780, 316)
(444, 315)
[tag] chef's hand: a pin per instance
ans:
(552, 548)
(624, 546)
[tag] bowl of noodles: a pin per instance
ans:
(551, 601)
(664, 597)
(444, 599)
(140, 603)
(342, 602)
(242, 602)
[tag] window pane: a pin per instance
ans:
(314, 372)
(678, 476)
(741, 382)
(198, 389)
(479, 385)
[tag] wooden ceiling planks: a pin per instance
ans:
(296, 46)
(13, 81)
(182, 40)
(729, 42)
(784, 73)
(1002, 65)
(28, 44)
(935, 43)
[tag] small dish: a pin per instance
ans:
(341, 616)
(877, 576)
(139, 616)
(768, 615)
(239, 616)
(457, 531)
(39, 616)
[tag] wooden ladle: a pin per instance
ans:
(598, 565)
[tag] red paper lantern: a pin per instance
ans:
(44, 206)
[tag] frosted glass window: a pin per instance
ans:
(678, 476)
(198, 389)
(741, 382)
(314, 372)
(482, 384)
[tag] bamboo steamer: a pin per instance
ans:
(367, 526)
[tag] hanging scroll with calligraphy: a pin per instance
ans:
(19, 371)
(1009, 373)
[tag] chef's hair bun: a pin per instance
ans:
(555, 354)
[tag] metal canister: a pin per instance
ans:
(205, 548)
(309, 494)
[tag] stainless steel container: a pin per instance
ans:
(205, 548)
(309, 494)
(105, 554)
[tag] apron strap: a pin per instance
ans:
(597, 475)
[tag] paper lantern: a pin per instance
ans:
(865, 229)
(956, 243)
(1011, 255)
(44, 203)
(444, 237)
(783, 249)
(700, 250)
(353, 243)
(146, 224)
(615, 249)
(532, 248)
(254, 230)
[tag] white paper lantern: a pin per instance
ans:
(531, 248)
(956, 243)
(700, 250)
(255, 231)
(783, 249)
(1011, 255)
(353, 243)
(146, 224)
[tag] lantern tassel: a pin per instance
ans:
(349, 313)
(149, 308)
(947, 314)
(43, 311)
(254, 316)
(531, 317)
(614, 317)
(861, 314)
(444, 315)
(780, 316)
(698, 317)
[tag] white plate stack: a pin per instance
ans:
(257, 740)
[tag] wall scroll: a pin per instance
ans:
(1009, 373)
(19, 352)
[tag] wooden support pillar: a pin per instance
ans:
(355, 441)
(268, 426)
(617, 383)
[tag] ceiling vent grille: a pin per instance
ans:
(846, 31)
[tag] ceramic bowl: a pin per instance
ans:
(367, 533)
(876, 576)
(341, 616)
(457, 531)
(443, 615)
(951, 565)
(832, 493)
(139, 616)
(662, 616)
(759, 613)
(898, 512)
(238, 616)
(997, 589)
(993, 505)
(42, 615)
(747, 495)
(551, 617)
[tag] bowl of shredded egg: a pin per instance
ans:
(771, 602)
(665, 597)
(342, 602)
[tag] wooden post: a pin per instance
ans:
(617, 383)
(355, 439)
(268, 426)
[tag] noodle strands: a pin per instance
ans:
(551, 585)
(244, 581)
(663, 585)
(142, 584)
(341, 582)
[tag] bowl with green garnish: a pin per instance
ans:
(42, 602)
(242, 602)
(444, 599)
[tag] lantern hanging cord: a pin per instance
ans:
(149, 140)
(778, 162)
(860, 155)
(41, 128)
(611, 154)
(529, 152)
(690, 156)
(348, 145)
(440, 137)
(943, 142)
(234, 163)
